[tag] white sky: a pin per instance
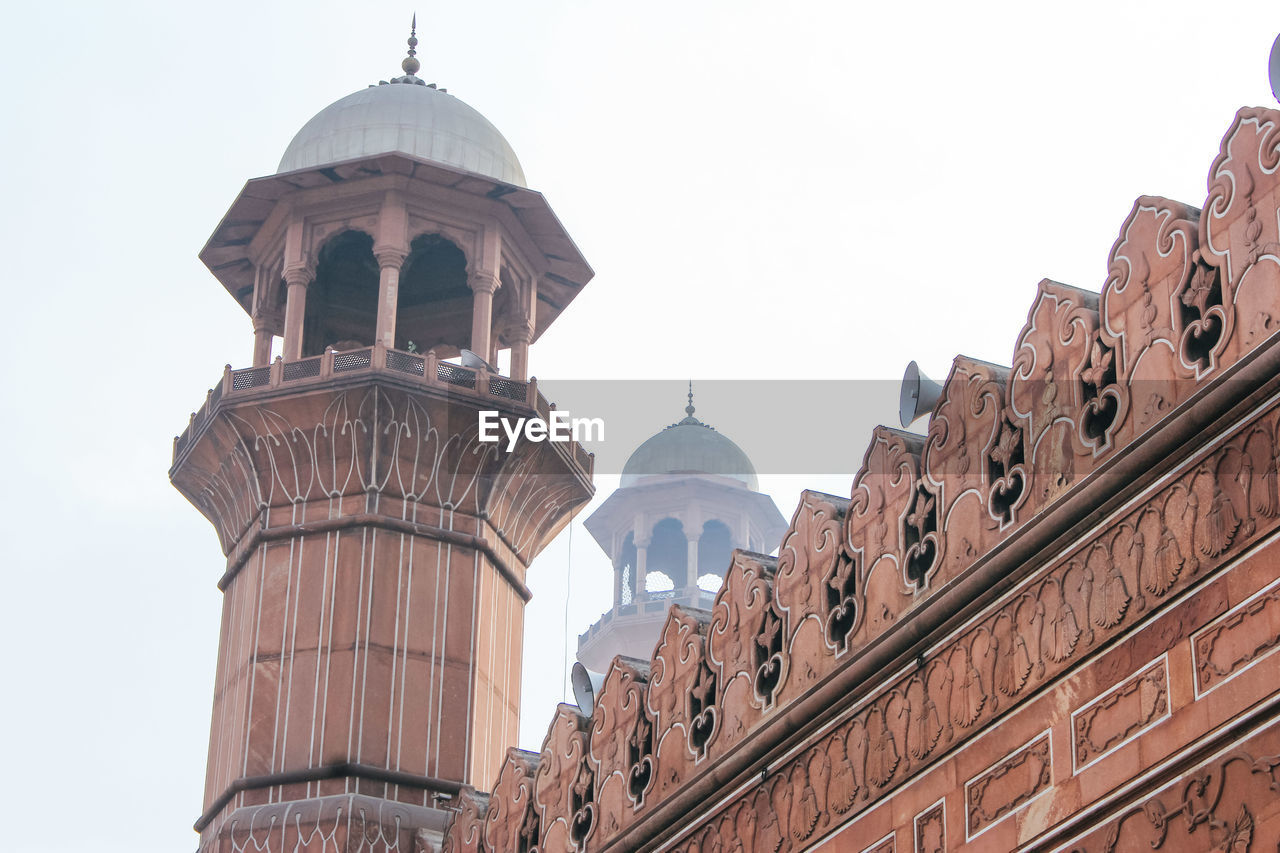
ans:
(765, 191)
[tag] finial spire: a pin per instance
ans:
(689, 419)
(411, 63)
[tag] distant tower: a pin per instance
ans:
(688, 497)
(369, 661)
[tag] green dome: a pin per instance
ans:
(689, 447)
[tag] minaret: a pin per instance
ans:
(369, 660)
(688, 497)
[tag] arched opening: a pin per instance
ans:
(710, 582)
(668, 555)
(342, 302)
(714, 552)
(658, 582)
(278, 301)
(434, 305)
(505, 312)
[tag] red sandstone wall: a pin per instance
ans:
(1159, 699)
(372, 622)
(1049, 624)
(340, 648)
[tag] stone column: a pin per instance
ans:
(691, 568)
(390, 260)
(483, 285)
(520, 335)
(617, 580)
(261, 341)
(642, 553)
(295, 310)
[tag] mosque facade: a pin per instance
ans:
(1047, 623)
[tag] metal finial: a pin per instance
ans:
(689, 419)
(411, 63)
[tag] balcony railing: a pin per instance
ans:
(425, 368)
(651, 603)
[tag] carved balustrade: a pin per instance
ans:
(1189, 296)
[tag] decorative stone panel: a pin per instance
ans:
(1008, 785)
(1120, 714)
(1237, 640)
(930, 829)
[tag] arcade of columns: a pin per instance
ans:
(296, 268)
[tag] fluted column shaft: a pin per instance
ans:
(483, 286)
(390, 261)
(297, 279)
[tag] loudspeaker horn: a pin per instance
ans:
(1273, 68)
(918, 395)
(586, 686)
(475, 362)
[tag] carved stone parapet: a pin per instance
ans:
(744, 646)
(564, 787)
(890, 531)
(464, 832)
(321, 824)
(512, 822)
(817, 591)
(1060, 368)
(1039, 629)
(320, 446)
(681, 698)
(1163, 337)
(621, 746)
(962, 463)
(1022, 543)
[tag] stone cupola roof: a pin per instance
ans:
(689, 447)
(409, 116)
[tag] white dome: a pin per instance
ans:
(405, 118)
(689, 447)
